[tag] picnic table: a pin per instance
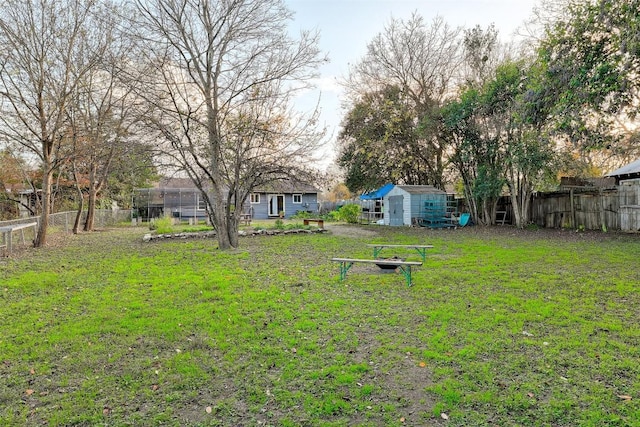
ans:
(7, 234)
(405, 266)
(422, 249)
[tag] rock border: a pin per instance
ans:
(241, 233)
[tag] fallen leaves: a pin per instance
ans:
(29, 392)
(444, 416)
(624, 397)
(208, 409)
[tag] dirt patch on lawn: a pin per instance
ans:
(350, 230)
(551, 234)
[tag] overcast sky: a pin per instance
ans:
(346, 26)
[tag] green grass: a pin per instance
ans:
(501, 327)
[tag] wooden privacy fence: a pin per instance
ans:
(613, 208)
(630, 205)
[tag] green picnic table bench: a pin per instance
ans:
(422, 249)
(405, 266)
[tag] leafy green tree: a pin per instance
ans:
(498, 144)
(591, 57)
(475, 155)
(474, 149)
(379, 143)
(136, 169)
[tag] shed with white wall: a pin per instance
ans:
(403, 203)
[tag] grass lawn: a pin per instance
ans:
(501, 328)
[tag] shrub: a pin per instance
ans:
(349, 213)
(162, 225)
(301, 215)
(331, 216)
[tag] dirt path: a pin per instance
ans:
(350, 230)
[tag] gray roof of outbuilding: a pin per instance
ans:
(631, 168)
(421, 189)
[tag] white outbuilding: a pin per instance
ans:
(423, 205)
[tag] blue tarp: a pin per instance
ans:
(378, 194)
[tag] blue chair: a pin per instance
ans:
(464, 219)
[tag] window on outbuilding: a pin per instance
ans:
(297, 198)
(254, 198)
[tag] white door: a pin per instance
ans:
(276, 204)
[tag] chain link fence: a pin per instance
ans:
(63, 221)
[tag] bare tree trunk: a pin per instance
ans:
(472, 204)
(91, 201)
(232, 228)
(43, 226)
(526, 202)
(515, 205)
(520, 194)
(76, 223)
(221, 225)
(91, 208)
(487, 216)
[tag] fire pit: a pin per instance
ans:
(387, 266)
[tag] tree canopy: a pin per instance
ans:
(379, 142)
(591, 56)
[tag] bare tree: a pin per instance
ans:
(225, 72)
(43, 53)
(102, 111)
